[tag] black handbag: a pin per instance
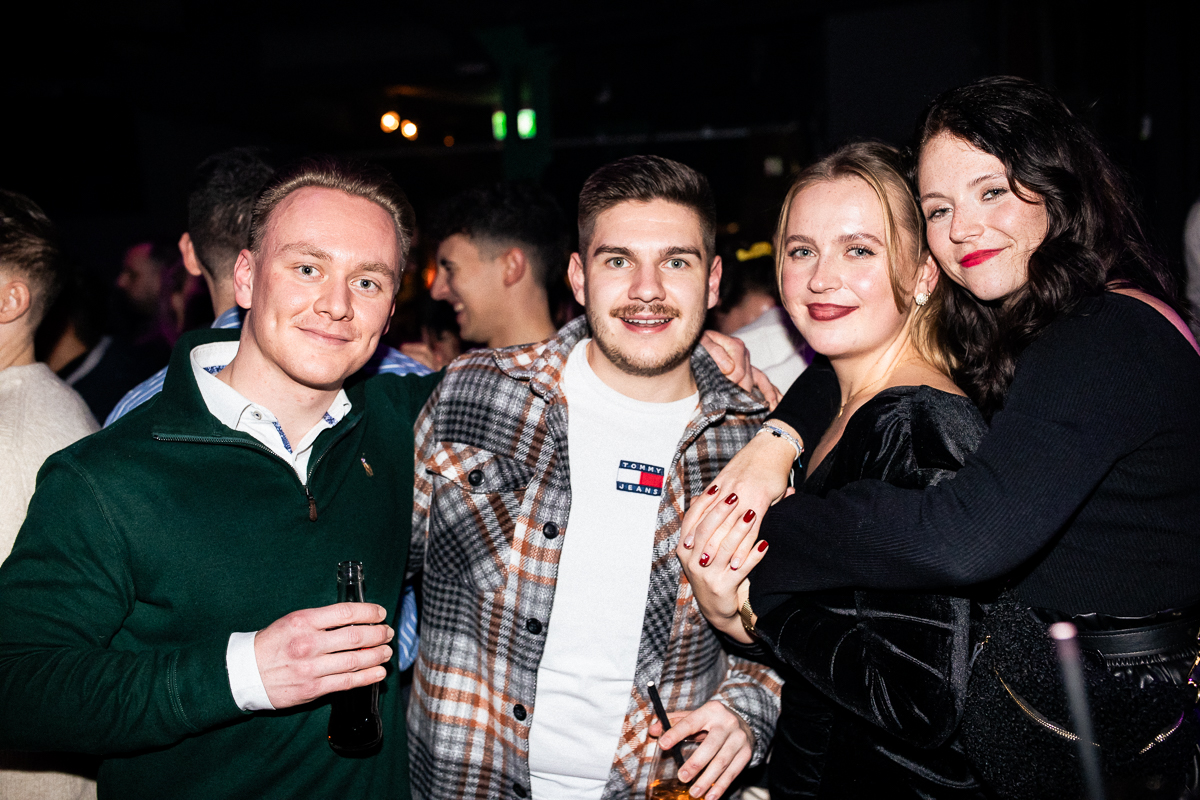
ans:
(1016, 727)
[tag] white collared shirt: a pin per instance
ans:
(233, 410)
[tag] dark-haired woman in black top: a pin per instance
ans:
(1084, 496)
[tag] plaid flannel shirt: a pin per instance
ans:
(493, 492)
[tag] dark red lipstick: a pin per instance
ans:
(824, 312)
(976, 258)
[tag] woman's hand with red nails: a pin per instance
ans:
(756, 478)
(718, 570)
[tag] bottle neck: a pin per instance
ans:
(350, 582)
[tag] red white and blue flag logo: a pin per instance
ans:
(634, 476)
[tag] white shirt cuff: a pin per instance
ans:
(244, 680)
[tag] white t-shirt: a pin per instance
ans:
(620, 451)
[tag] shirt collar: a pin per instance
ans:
(227, 404)
(229, 318)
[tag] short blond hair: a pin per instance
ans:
(883, 168)
(354, 178)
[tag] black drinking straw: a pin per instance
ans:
(1063, 634)
(661, 713)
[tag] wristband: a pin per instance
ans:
(780, 433)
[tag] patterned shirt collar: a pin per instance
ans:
(229, 318)
(235, 411)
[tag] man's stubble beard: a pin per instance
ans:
(636, 367)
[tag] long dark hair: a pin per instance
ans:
(1094, 238)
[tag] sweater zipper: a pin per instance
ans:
(312, 504)
(312, 501)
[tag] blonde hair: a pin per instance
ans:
(882, 167)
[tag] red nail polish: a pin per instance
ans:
(704, 559)
(731, 499)
(748, 516)
(712, 489)
(762, 546)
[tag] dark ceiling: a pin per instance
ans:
(108, 109)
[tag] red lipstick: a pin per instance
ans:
(978, 257)
(824, 312)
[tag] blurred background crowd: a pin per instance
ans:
(110, 110)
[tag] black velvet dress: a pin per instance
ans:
(894, 664)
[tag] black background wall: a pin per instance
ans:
(106, 110)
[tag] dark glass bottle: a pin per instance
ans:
(354, 722)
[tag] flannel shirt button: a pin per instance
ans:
(475, 477)
(550, 530)
(533, 626)
(519, 790)
(519, 712)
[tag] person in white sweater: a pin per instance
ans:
(39, 414)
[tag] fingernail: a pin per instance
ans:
(704, 559)
(762, 546)
(731, 499)
(734, 564)
(748, 516)
(687, 543)
(712, 489)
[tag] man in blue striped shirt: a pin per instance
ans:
(219, 208)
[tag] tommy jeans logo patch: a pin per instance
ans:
(634, 476)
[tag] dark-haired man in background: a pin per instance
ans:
(220, 204)
(500, 251)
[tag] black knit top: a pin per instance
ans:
(1085, 493)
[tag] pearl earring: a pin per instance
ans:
(922, 298)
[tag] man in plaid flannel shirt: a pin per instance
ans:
(494, 515)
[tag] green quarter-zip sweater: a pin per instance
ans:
(151, 541)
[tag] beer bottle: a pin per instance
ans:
(354, 722)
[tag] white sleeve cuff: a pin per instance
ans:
(244, 680)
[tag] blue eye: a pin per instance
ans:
(800, 252)
(861, 252)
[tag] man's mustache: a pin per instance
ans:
(653, 309)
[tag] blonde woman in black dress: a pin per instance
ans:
(878, 678)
